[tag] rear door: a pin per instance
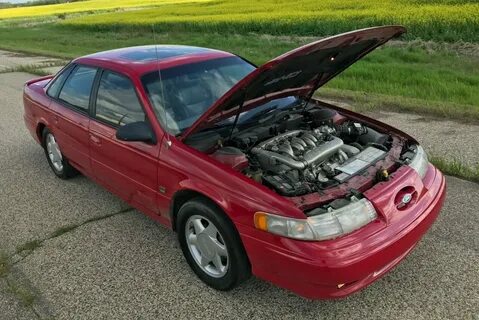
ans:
(127, 168)
(71, 95)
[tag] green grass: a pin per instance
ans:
(367, 101)
(455, 168)
(62, 230)
(29, 246)
(25, 295)
(398, 78)
(4, 264)
(21, 291)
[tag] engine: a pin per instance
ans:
(297, 162)
(301, 155)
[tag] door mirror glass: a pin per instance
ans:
(136, 131)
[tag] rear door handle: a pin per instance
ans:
(94, 139)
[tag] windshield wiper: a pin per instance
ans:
(216, 127)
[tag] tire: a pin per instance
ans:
(61, 167)
(237, 268)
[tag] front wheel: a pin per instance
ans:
(59, 164)
(211, 245)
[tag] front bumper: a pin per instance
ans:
(339, 267)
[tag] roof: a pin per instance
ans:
(142, 59)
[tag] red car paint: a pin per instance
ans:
(172, 172)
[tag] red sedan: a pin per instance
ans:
(254, 174)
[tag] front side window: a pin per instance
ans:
(77, 88)
(186, 92)
(117, 102)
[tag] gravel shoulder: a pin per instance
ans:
(113, 262)
(11, 61)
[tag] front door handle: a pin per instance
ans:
(94, 139)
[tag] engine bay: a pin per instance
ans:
(305, 150)
(302, 161)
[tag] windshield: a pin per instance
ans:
(189, 90)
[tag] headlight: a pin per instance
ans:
(420, 162)
(331, 224)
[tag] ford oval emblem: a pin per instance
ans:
(406, 198)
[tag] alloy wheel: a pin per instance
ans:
(207, 246)
(54, 152)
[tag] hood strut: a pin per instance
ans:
(240, 108)
(311, 94)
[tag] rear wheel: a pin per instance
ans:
(211, 245)
(59, 164)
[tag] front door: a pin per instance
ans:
(127, 168)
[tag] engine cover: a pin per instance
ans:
(296, 149)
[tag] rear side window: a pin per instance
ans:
(77, 88)
(58, 81)
(117, 102)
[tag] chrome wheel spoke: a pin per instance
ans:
(218, 263)
(192, 239)
(204, 261)
(198, 226)
(54, 152)
(211, 231)
(220, 249)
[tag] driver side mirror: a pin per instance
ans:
(136, 131)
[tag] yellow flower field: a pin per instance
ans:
(81, 6)
(443, 20)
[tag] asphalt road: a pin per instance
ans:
(125, 266)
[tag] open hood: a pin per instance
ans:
(299, 72)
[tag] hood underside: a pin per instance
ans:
(299, 72)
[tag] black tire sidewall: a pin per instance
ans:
(239, 268)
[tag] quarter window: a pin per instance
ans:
(57, 82)
(117, 102)
(77, 88)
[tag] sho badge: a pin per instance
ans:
(282, 78)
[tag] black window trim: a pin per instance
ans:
(69, 105)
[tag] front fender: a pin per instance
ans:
(219, 198)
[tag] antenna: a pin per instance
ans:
(165, 117)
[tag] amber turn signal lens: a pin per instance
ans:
(261, 221)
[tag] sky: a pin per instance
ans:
(14, 1)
